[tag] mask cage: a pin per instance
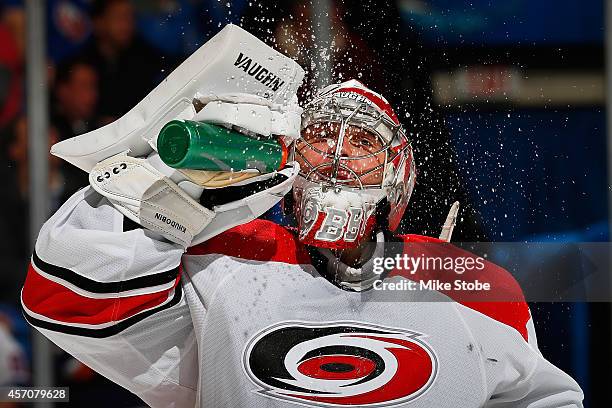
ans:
(345, 112)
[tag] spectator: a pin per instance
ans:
(18, 155)
(13, 19)
(11, 91)
(127, 67)
(68, 27)
(76, 97)
(13, 363)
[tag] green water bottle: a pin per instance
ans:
(186, 144)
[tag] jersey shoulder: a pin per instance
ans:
(504, 302)
(258, 240)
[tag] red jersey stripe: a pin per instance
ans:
(54, 301)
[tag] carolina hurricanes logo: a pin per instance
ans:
(310, 213)
(340, 364)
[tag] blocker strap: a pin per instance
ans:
(146, 196)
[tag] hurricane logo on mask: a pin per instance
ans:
(340, 364)
(309, 215)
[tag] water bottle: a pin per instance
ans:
(186, 144)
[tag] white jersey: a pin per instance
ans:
(246, 320)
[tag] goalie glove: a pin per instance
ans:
(164, 200)
(212, 85)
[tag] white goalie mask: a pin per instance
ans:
(355, 158)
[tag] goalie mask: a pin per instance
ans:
(355, 159)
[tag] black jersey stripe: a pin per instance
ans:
(93, 286)
(107, 331)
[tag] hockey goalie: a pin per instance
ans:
(220, 308)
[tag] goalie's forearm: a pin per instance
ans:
(110, 293)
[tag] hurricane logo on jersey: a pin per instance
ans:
(340, 364)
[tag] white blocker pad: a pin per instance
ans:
(152, 198)
(231, 62)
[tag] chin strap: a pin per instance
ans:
(355, 279)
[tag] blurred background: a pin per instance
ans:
(505, 104)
